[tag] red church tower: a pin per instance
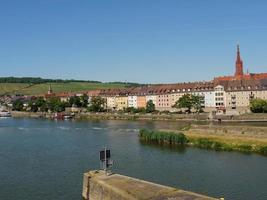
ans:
(238, 64)
(239, 74)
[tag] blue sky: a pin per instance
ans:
(146, 41)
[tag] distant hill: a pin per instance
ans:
(35, 86)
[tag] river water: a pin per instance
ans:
(45, 160)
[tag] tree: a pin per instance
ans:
(197, 102)
(32, 105)
(129, 110)
(36, 104)
(84, 100)
(98, 104)
(17, 105)
(150, 106)
(258, 106)
(44, 108)
(40, 102)
(55, 105)
(75, 100)
(184, 102)
(189, 101)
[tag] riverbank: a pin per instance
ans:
(220, 138)
(252, 117)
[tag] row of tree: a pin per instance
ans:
(54, 104)
(98, 104)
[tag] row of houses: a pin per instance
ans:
(222, 95)
(232, 93)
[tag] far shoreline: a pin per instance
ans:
(202, 117)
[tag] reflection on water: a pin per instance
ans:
(44, 159)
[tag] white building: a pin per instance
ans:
(220, 97)
(132, 101)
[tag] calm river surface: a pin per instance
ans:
(45, 160)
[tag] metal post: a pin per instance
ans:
(105, 161)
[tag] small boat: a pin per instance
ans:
(5, 113)
(61, 116)
(66, 117)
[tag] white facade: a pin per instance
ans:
(206, 98)
(132, 101)
(209, 99)
(220, 97)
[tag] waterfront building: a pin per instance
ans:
(175, 97)
(93, 93)
(141, 101)
(64, 97)
(163, 102)
(111, 102)
(152, 98)
(121, 102)
(220, 97)
(132, 101)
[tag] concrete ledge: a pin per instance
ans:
(98, 186)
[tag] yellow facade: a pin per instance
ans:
(241, 99)
(121, 102)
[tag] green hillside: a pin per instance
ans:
(35, 89)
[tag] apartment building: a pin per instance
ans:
(151, 98)
(132, 101)
(141, 101)
(111, 102)
(121, 102)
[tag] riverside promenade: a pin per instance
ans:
(99, 186)
(252, 117)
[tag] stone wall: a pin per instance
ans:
(99, 186)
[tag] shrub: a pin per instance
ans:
(161, 137)
(244, 148)
(262, 150)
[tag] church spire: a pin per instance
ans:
(238, 64)
(50, 91)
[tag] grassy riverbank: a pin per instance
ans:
(214, 142)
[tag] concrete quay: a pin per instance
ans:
(99, 186)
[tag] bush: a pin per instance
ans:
(162, 137)
(17, 105)
(244, 148)
(258, 106)
(204, 143)
(262, 150)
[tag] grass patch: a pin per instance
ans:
(180, 139)
(161, 137)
